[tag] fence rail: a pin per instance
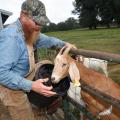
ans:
(110, 57)
(107, 98)
(81, 108)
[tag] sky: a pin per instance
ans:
(56, 10)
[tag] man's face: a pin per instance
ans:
(31, 28)
(32, 25)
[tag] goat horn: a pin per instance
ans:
(67, 49)
(62, 50)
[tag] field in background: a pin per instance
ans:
(107, 40)
(101, 39)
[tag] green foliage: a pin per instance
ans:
(116, 8)
(94, 12)
(106, 12)
(100, 39)
(87, 10)
(69, 24)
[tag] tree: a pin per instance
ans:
(92, 12)
(116, 10)
(71, 23)
(105, 11)
(87, 12)
(49, 28)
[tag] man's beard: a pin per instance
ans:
(32, 37)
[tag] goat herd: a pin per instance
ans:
(86, 70)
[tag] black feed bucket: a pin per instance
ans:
(61, 88)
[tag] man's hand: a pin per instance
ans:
(39, 87)
(71, 46)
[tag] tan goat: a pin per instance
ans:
(65, 65)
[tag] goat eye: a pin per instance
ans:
(64, 65)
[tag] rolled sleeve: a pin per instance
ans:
(25, 85)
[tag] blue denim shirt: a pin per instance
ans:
(14, 61)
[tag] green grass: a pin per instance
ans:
(107, 40)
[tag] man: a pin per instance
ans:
(17, 62)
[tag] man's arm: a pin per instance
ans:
(9, 56)
(48, 42)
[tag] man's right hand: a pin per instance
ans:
(39, 87)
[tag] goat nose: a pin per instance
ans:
(53, 78)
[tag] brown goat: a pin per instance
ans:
(65, 65)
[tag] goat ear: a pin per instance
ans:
(67, 50)
(74, 74)
(64, 50)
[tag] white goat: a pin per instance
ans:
(65, 65)
(93, 63)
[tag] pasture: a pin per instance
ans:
(107, 40)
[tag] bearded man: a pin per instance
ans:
(17, 43)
